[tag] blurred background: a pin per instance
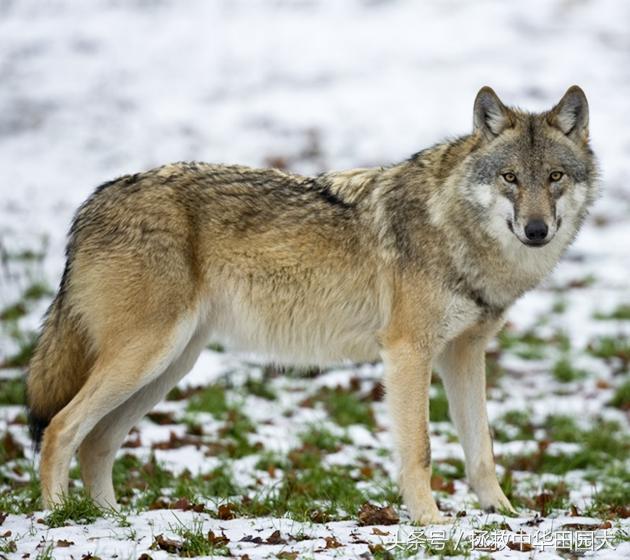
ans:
(91, 91)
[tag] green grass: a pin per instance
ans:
(612, 492)
(604, 442)
(144, 485)
(21, 497)
(608, 347)
(305, 493)
(562, 428)
(12, 391)
(564, 372)
(621, 313)
(519, 423)
(140, 484)
(21, 358)
(7, 545)
(260, 388)
(438, 406)
(194, 542)
(621, 398)
(212, 399)
(309, 490)
(45, 552)
(345, 407)
(236, 429)
(77, 507)
(13, 312)
(37, 291)
(323, 439)
(529, 346)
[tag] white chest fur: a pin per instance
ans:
(460, 314)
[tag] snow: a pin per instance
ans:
(90, 91)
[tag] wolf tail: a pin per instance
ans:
(59, 366)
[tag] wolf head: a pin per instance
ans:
(533, 175)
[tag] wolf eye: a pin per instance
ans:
(556, 176)
(509, 177)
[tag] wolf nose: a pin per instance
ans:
(536, 230)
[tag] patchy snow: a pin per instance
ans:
(90, 91)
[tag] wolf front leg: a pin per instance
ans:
(407, 380)
(463, 369)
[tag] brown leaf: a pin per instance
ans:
(144, 556)
(169, 545)
(620, 511)
(378, 392)
(374, 515)
(332, 542)
(277, 162)
(186, 505)
(573, 511)
(318, 516)
(3, 516)
(377, 531)
(249, 538)
(286, 555)
(12, 449)
(438, 483)
(132, 443)
(175, 442)
(217, 540)
(520, 546)
(226, 511)
(90, 556)
(6, 535)
(62, 543)
(275, 538)
(161, 418)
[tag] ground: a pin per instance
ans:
(248, 460)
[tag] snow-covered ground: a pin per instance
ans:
(92, 90)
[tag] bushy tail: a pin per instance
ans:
(58, 368)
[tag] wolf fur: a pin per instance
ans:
(415, 263)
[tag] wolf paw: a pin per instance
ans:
(497, 504)
(431, 519)
(428, 516)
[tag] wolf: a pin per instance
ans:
(416, 263)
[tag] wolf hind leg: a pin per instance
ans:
(98, 451)
(131, 361)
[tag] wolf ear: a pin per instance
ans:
(570, 115)
(490, 116)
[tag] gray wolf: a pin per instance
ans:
(415, 263)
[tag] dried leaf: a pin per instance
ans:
(520, 546)
(275, 538)
(374, 515)
(440, 484)
(217, 540)
(332, 542)
(226, 511)
(62, 543)
(169, 545)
